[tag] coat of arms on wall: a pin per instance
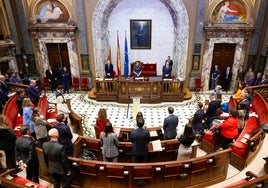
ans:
(52, 11)
(229, 12)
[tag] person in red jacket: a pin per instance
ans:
(229, 129)
(101, 121)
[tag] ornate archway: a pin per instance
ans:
(180, 19)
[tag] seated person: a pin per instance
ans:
(137, 69)
(229, 129)
(109, 69)
(239, 91)
(166, 71)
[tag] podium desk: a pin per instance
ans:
(150, 89)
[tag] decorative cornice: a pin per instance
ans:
(53, 27)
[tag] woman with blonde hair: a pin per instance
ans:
(101, 121)
(7, 143)
(27, 107)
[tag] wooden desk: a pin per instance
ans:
(151, 90)
(124, 133)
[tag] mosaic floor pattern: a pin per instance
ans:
(120, 115)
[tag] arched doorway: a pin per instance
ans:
(180, 19)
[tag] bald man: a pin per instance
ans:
(56, 160)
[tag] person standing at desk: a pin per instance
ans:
(170, 125)
(170, 61)
(56, 160)
(137, 70)
(140, 139)
(211, 112)
(166, 74)
(166, 71)
(109, 69)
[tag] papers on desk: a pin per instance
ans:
(167, 79)
(108, 79)
(139, 78)
(157, 145)
(245, 138)
(253, 114)
(153, 133)
(99, 79)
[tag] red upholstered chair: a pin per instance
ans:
(84, 84)
(198, 85)
(75, 84)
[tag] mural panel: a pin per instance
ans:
(229, 12)
(51, 11)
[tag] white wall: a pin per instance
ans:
(162, 31)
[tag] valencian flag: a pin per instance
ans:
(109, 55)
(126, 65)
(118, 58)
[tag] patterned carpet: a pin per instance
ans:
(120, 115)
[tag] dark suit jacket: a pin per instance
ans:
(34, 94)
(109, 69)
(51, 76)
(65, 137)
(170, 126)
(56, 158)
(229, 76)
(212, 108)
(7, 139)
(140, 139)
(197, 120)
(25, 151)
(166, 72)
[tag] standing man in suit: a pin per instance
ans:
(52, 78)
(109, 69)
(170, 125)
(27, 155)
(170, 61)
(66, 78)
(240, 76)
(33, 93)
(140, 139)
(56, 160)
(211, 112)
(227, 79)
(215, 77)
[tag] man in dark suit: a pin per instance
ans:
(140, 138)
(227, 76)
(33, 93)
(52, 78)
(212, 110)
(170, 61)
(4, 86)
(27, 155)
(170, 125)
(56, 160)
(109, 69)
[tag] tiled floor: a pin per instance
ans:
(154, 114)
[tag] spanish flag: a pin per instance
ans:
(118, 57)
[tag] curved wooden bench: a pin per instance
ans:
(197, 172)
